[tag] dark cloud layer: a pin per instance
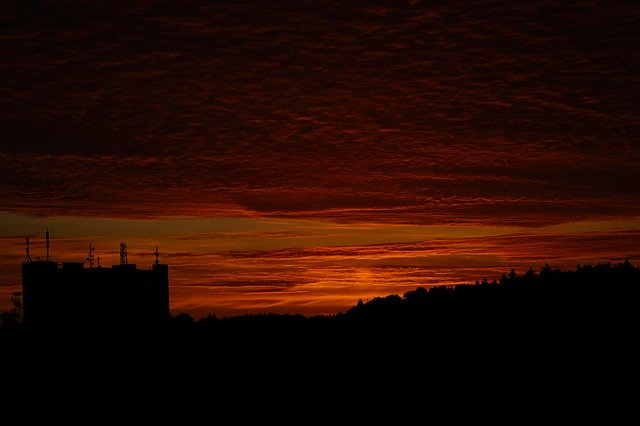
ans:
(474, 112)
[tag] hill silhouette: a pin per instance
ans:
(526, 347)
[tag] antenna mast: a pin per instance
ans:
(91, 255)
(47, 243)
(28, 257)
(157, 253)
(123, 253)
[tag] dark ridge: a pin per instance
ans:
(529, 346)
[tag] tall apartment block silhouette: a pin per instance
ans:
(97, 337)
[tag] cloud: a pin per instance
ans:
(331, 278)
(480, 113)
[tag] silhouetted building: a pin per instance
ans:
(96, 337)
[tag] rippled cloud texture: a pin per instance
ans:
(476, 113)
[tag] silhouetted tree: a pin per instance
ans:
(513, 275)
(530, 274)
(13, 316)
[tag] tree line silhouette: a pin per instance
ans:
(542, 342)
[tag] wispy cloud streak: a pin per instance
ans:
(474, 112)
(330, 279)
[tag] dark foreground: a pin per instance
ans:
(548, 346)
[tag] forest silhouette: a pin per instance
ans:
(525, 347)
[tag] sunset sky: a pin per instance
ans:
(296, 156)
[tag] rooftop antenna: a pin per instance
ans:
(28, 257)
(123, 253)
(47, 243)
(157, 253)
(91, 255)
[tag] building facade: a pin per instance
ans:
(97, 337)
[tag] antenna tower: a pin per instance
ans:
(47, 243)
(157, 253)
(123, 253)
(28, 257)
(91, 255)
